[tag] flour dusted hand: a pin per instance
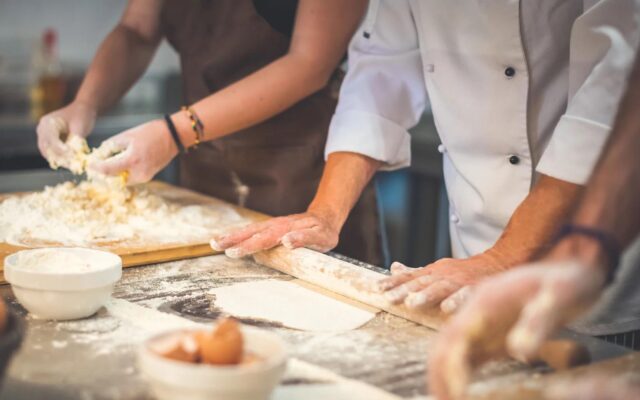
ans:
(142, 152)
(446, 283)
(300, 230)
(512, 313)
(57, 130)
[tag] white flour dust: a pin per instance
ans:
(124, 325)
(292, 305)
(103, 211)
(96, 213)
(65, 260)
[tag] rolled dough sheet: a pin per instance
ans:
(290, 304)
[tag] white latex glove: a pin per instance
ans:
(310, 229)
(141, 152)
(512, 313)
(55, 128)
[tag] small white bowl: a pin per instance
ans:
(64, 293)
(171, 379)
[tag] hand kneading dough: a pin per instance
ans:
(290, 304)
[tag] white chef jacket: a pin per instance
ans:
(516, 88)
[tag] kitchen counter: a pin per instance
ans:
(95, 358)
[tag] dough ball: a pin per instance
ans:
(223, 346)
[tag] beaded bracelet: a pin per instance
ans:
(607, 242)
(196, 124)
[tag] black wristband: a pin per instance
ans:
(607, 243)
(174, 133)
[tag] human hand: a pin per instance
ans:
(140, 152)
(510, 314)
(311, 229)
(55, 129)
(446, 282)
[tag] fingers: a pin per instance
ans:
(315, 238)
(538, 320)
(452, 303)
(260, 241)
(300, 230)
(449, 367)
(400, 274)
(403, 292)
(223, 242)
(115, 165)
(434, 293)
(49, 131)
(259, 237)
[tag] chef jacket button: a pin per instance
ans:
(441, 149)
(454, 218)
(514, 160)
(510, 72)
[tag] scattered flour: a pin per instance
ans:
(61, 260)
(100, 213)
(104, 211)
(290, 304)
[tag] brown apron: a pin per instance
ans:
(280, 161)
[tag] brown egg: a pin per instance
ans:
(223, 346)
(181, 346)
(4, 316)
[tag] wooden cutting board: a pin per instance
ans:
(156, 253)
(329, 273)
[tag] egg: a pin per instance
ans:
(4, 316)
(223, 346)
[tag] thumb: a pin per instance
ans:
(116, 164)
(538, 320)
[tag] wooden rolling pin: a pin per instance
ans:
(354, 282)
(561, 354)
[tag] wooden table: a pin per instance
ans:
(92, 360)
(77, 361)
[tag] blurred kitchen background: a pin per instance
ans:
(45, 47)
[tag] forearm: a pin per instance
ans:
(535, 221)
(121, 59)
(611, 199)
(344, 178)
(259, 96)
(313, 55)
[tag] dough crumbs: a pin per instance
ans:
(103, 211)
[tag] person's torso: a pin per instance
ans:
(496, 73)
(280, 160)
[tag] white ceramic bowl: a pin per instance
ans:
(64, 293)
(172, 380)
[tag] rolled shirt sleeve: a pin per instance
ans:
(603, 44)
(383, 93)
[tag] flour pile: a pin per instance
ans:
(63, 261)
(103, 211)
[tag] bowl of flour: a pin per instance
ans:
(62, 283)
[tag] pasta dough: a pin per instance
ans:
(290, 304)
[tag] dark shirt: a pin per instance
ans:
(280, 14)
